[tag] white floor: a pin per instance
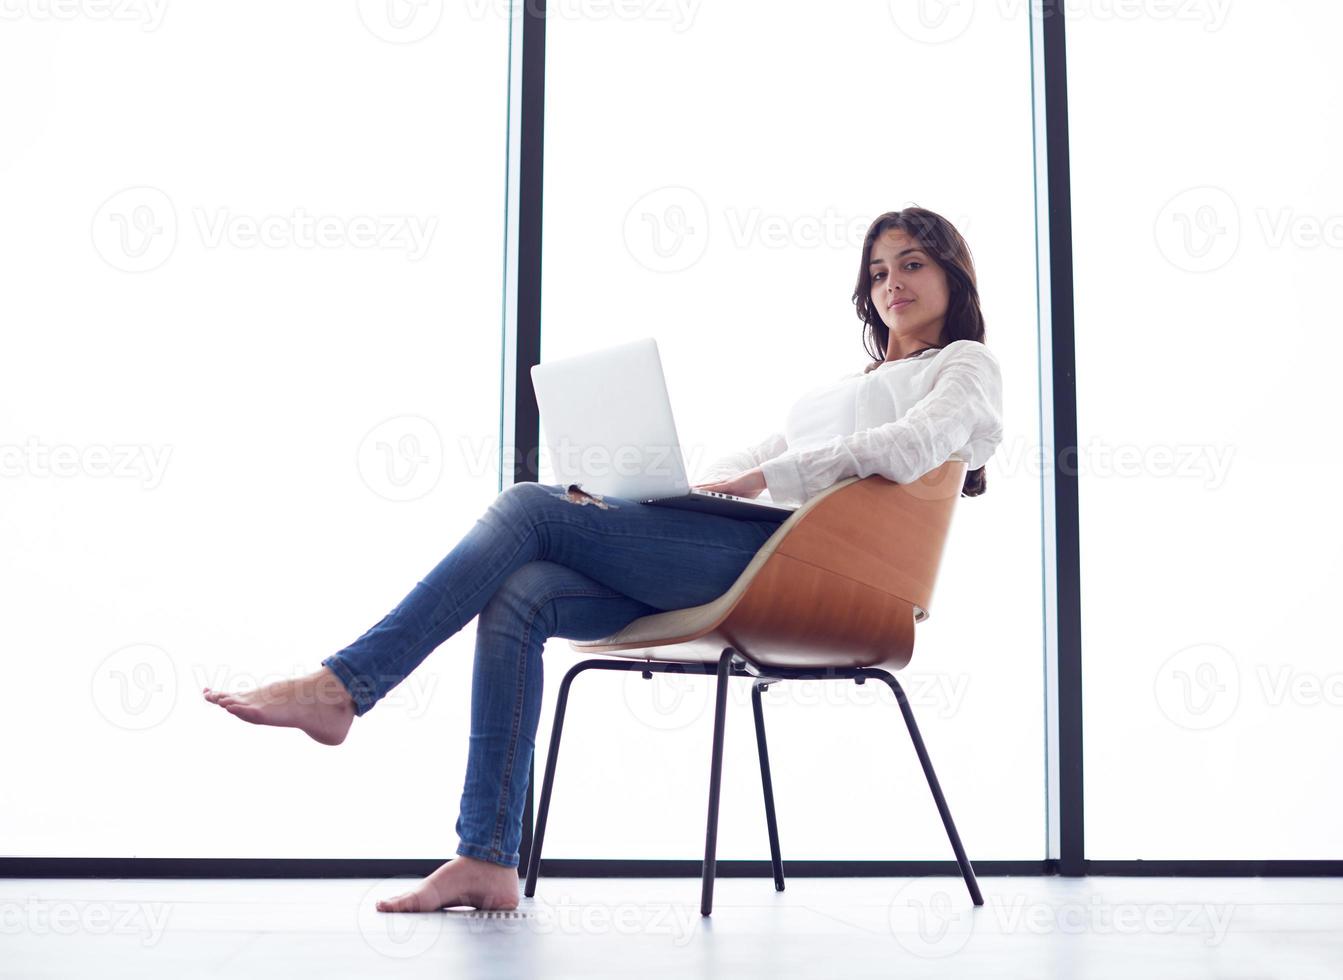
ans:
(1129, 928)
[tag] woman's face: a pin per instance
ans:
(909, 291)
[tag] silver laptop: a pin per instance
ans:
(608, 426)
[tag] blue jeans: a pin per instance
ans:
(541, 561)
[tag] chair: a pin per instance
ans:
(834, 593)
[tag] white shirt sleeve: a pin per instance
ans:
(961, 415)
(726, 467)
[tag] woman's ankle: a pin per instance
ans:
(330, 689)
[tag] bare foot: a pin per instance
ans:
(462, 881)
(317, 704)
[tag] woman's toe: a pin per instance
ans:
(400, 903)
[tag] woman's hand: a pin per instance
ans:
(748, 484)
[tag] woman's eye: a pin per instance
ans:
(918, 264)
(878, 276)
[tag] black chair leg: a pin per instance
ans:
(548, 783)
(715, 778)
(768, 784)
(967, 872)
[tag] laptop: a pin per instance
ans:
(608, 426)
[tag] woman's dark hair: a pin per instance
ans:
(964, 321)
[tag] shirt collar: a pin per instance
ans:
(912, 357)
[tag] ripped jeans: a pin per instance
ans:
(541, 561)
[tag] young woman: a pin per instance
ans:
(542, 562)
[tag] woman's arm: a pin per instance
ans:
(739, 462)
(964, 408)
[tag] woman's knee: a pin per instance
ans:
(524, 595)
(531, 496)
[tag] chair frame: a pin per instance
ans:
(734, 663)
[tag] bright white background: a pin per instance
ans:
(300, 430)
(330, 413)
(311, 399)
(1208, 224)
(708, 182)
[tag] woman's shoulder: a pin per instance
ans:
(968, 349)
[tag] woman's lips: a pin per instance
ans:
(899, 304)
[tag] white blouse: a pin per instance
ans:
(899, 420)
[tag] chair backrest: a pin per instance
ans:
(888, 535)
(846, 583)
